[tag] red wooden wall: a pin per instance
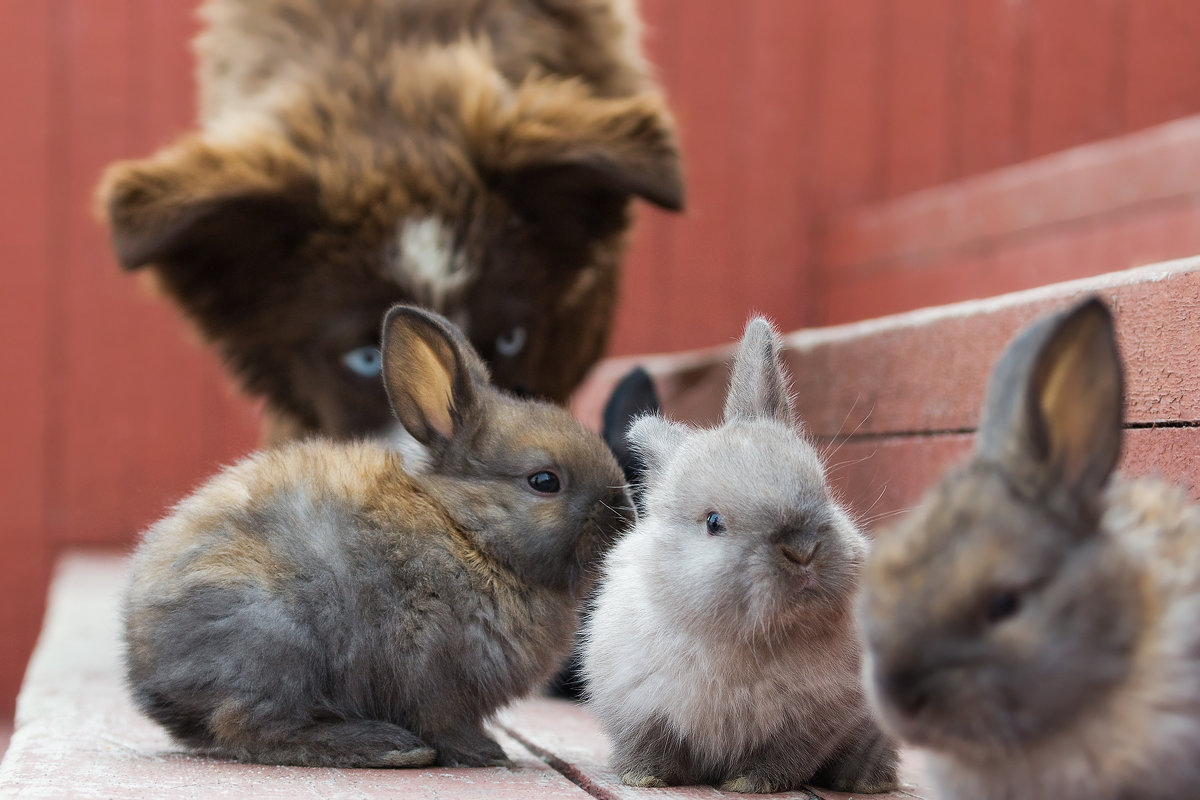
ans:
(804, 123)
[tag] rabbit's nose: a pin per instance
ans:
(802, 555)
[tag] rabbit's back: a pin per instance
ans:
(320, 575)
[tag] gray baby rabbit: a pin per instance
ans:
(1033, 626)
(322, 604)
(721, 648)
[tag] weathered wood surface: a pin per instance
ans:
(894, 401)
(78, 735)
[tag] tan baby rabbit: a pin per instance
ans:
(324, 604)
(1032, 625)
(721, 648)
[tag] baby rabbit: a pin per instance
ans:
(721, 648)
(1038, 633)
(322, 605)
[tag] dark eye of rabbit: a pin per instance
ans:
(544, 482)
(715, 523)
(1001, 606)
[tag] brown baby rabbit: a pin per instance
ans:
(1034, 627)
(325, 604)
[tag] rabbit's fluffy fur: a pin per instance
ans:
(1036, 632)
(320, 604)
(731, 658)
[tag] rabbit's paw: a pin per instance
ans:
(416, 757)
(474, 750)
(758, 783)
(642, 780)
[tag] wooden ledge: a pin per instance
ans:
(1093, 180)
(78, 735)
(895, 400)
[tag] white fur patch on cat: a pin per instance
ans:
(426, 261)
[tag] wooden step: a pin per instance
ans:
(78, 734)
(894, 401)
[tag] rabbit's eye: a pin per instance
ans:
(544, 482)
(363, 361)
(715, 524)
(1001, 606)
(509, 343)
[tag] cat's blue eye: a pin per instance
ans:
(508, 344)
(364, 361)
(715, 524)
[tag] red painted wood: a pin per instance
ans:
(926, 371)
(1162, 61)
(882, 478)
(849, 137)
(773, 197)
(25, 363)
(706, 299)
(142, 411)
(993, 98)
(644, 286)
(96, 435)
(1076, 72)
(1090, 182)
(923, 79)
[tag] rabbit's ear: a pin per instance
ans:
(656, 440)
(430, 373)
(632, 397)
(758, 387)
(1053, 413)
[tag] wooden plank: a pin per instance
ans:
(704, 304)
(994, 84)
(848, 161)
(1162, 62)
(76, 727)
(921, 87)
(94, 40)
(774, 197)
(881, 478)
(644, 288)
(568, 736)
(1155, 165)
(142, 411)
(925, 371)
(25, 366)
(1076, 82)
(1145, 234)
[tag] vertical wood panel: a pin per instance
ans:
(705, 288)
(643, 293)
(1076, 82)
(848, 116)
(774, 194)
(1163, 64)
(994, 84)
(24, 363)
(920, 85)
(97, 416)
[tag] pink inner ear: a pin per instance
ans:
(430, 386)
